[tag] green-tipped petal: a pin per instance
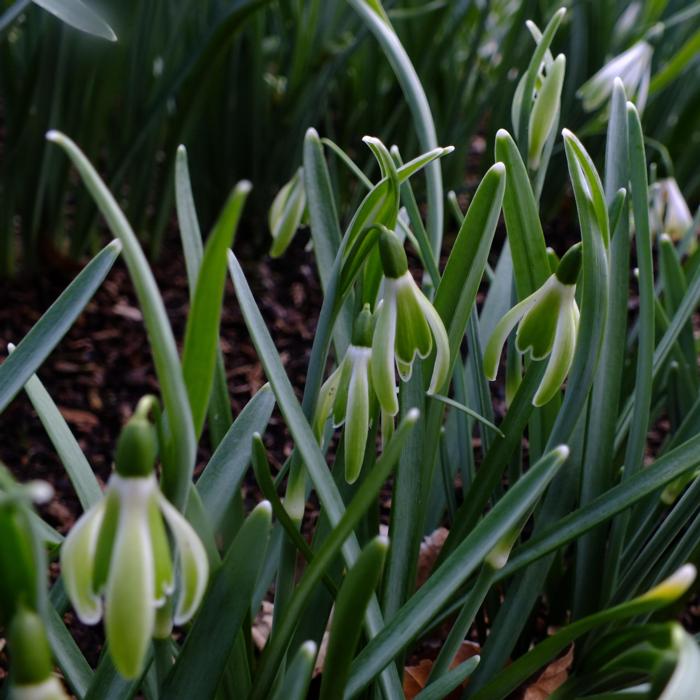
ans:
(324, 406)
(383, 353)
(193, 563)
(562, 354)
(412, 330)
(492, 353)
(538, 327)
(441, 367)
(357, 412)
(341, 394)
(77, 562)
(164, 581)
(129, 602)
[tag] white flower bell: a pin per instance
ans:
(669, 211)
(633, 67)
(407, 324)
(119, 550)
(548, 321)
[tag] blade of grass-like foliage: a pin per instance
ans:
(36, 346)
(201, 662)
(203, 321)
(644, 372)
(465, 409)
(455, 677)
(261, 467)
(179, 453)
(325, 229)
(454, 298)
(353, 598)
(300, 429)
(605, 396)
(664, 470)
(418, 612)
(225, 470)
(326, 554)
(525, 236)
(514, 613)
(107, 683)
(510, 678)
(373, 15)
(79, 16)
(220, 417)
(76, 465)
(298, 676)
(68, 656)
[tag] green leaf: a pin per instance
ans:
(36, 346)
(69, 658)
(225, 470)
(454, 298)
(201, 663)
(326, 554)
(525, 236)
(190, 235)
(419, 611)
(178, 455)
(444, 685)
(469, 412)
(353, 598)
(76, 465)
(298, 676)
(203, 321)
(79, 16)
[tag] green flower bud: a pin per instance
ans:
(570, 265)
(31, 656)
(286, 213)
(364, 328)
(392, 254)
(137, 447)
(545, 111)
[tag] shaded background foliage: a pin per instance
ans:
(239, 81)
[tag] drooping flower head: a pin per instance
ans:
(407, 325)
(669, 212)
(348, 394)
(633, 67)
(548, 321)
(117, 561)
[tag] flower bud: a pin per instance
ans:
(544, 112)
(286, 213)
(392, 254)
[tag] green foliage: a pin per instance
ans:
(593, 520)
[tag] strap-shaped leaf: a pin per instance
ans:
(203, 321)
(298, 676)
(454, 571)
(79, 16)
(36, 346)
(202, 661)
(179, 453)
(464, 270)
(225, 470)
(525, 236)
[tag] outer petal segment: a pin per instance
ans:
(77, 563)
(193, 562)
(383, 351)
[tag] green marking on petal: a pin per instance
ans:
(193, 565)
(129, 603)
(561, 357)
(105, 540)
(164, 582)
(357, 415)
(77, 560)
(383, 352)
(341, 394)
(538, 326)
(412, 330)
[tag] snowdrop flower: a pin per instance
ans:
(31, 673)
(348, 394)
(545, 110)
(633, 67)
(669, 211)
(548, 321)
(119, 550)
(406, 326)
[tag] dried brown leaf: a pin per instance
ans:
(551, 678)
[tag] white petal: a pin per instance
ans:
(129, 597)
(193, 563)
(383, 351)
(77, 563)
(50, 689)
(357, 413)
